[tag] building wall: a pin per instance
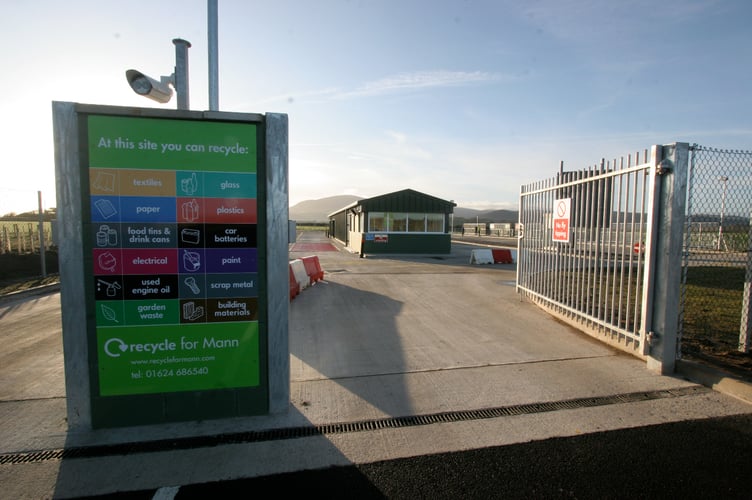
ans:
(340, 226)
(407, 243)
(354, 240)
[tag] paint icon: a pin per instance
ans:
(192, 261)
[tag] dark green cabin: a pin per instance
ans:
(403, 222)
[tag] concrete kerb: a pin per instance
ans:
(715, 379)
(39, 290)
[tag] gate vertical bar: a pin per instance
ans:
(652, 190)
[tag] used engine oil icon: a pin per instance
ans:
(111, 288)
(192, 261)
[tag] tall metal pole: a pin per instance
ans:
(181, 72)
(213, 56)
(41, 236)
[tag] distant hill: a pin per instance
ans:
(471, 215)
(500, 216)
(318, 211)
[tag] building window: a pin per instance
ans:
(416, 223)
(401, 222)
(376, 222)
(397, 222)
(434, 223)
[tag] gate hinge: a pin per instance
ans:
(651, 338)
(663, 167)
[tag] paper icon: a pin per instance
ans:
(105, 208)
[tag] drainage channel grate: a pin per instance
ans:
(340, 428)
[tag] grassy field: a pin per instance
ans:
(712, 316)
(712, 309)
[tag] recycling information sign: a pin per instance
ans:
(173, 246)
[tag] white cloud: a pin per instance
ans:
(421, 80)
(403, 82)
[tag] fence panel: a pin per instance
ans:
(20, 236)
(595, 279)
(717, 267)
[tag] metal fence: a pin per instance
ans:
(19, 236)
(717, 267)
(593, 273)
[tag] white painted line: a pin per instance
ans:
(166, 493)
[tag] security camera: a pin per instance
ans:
(146, 86)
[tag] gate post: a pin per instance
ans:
(661, 331)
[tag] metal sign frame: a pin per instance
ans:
(165, 265)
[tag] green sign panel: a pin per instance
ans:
(173, 237)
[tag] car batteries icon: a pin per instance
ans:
(192, 261)
(188, 235)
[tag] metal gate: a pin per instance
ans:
(589, 246)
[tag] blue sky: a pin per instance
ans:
(464, 100)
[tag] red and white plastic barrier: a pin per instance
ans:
(502, 256)
(304, 272)
(491, 256)
(313, 268)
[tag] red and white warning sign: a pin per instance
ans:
(561, 220)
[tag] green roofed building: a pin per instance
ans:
(406, 222)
